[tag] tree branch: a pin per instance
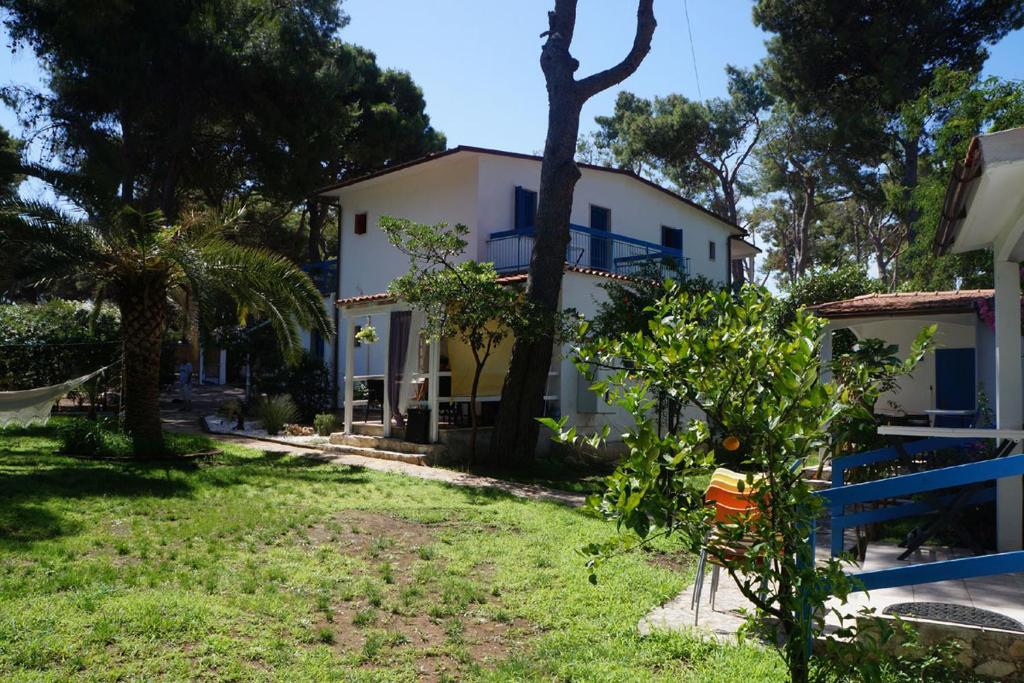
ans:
(602, 80)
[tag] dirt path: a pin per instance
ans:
(177, 420)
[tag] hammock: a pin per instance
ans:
(22, 408)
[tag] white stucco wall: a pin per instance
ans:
(916, 393)
(477, 189)
(637, 210)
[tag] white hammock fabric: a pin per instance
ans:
(22, 408)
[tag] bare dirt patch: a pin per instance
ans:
(407, 606)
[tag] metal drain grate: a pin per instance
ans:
(953, 614)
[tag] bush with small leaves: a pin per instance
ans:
(325, 423)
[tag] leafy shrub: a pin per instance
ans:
(325, 423)
(308, 382)
(52, 342)
(93, 438)
(276, 411)
(230, 410)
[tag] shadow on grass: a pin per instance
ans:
(34, 481)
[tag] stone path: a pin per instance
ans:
(177, 420)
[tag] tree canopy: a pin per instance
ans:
(161, 104)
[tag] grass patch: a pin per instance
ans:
(256, 566)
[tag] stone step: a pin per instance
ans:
(409, 458)
(368, 429)
(382, 443)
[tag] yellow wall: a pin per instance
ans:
(460, 356)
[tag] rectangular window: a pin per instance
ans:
(525, 209)
(600, 246)
(672, 238)
(361, 223)
(711, 250)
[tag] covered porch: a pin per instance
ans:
(402, 385)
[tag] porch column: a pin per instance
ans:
(385, 336)
(1009, 399)
(222, 375)
(826, 353)
(350, 361)
(433, 386)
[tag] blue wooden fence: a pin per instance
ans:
(840, 495)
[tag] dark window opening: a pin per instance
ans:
(711, 250)
(600, 246)
(360, 223)
(526, 209)
(672, 238)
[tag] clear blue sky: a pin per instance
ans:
(477, 60)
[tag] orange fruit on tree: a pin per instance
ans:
(731, 443)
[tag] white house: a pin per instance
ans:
(619, 220)
(946, 386)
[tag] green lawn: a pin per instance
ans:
(257, 567)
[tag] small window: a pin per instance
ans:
(361, 223)
(711, 250)
(525, 209)
(672, 238)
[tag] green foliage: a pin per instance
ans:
(49, 343)
(325, 424)
(367, 334)
(868, 370)
(701, 147)
(627, 308)
(91, 438)
(823, 285)
(307, 381)
(161, 104)
(754, 384)
(461, 299)
(274, 412)
(952, 110)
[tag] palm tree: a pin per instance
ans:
(140, 263)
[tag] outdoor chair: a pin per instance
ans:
(731, 507)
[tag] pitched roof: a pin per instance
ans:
(512, 278)
(904, 303)
(532, 157)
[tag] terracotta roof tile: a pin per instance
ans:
(904, 303)
(504, 279)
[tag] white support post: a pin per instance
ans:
(222, 369)
(433, 386)
(826, 353)
(350, 360)
(386, 338)
(1009, 399)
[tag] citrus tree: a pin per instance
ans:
(757, 399)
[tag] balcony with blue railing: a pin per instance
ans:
(510, 251)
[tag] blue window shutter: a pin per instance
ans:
(525, 208)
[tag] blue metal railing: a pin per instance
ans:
(510, 251)
(840, 465)
(324, 275)
(840, 495)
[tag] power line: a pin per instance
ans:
(693, 52)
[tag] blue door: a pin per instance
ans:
(954, 380)
(600, 246)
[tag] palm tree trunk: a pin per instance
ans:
(142, 329)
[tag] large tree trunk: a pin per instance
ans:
(514, 438)
(143, 315)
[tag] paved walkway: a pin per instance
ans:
(206, 399)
